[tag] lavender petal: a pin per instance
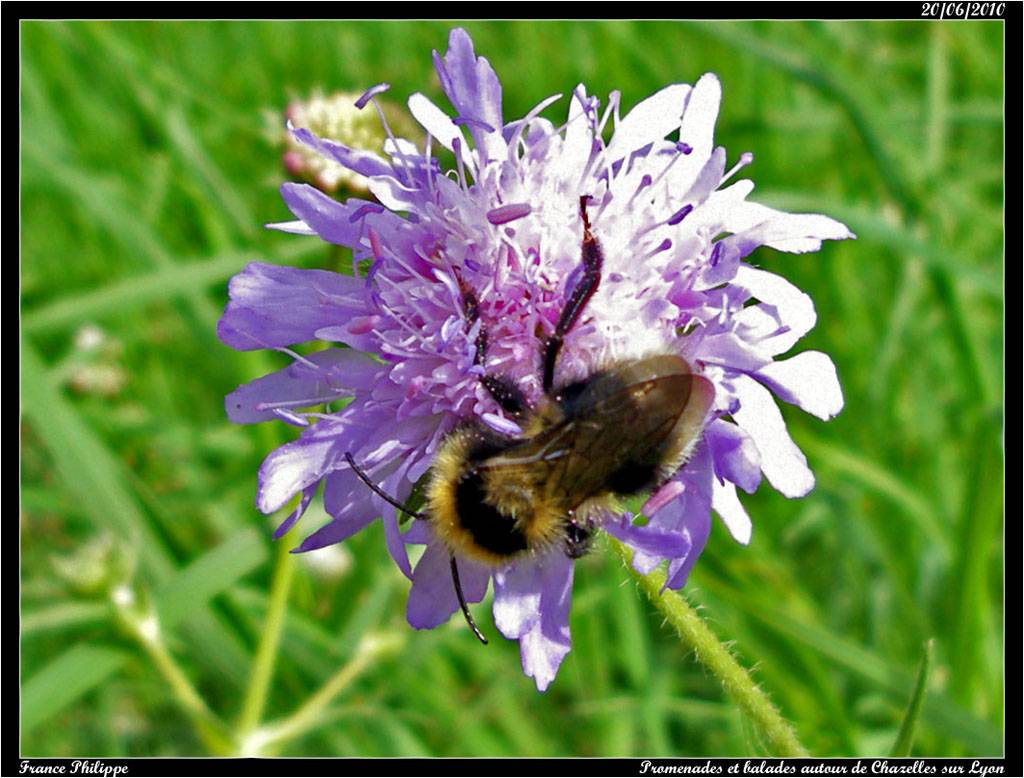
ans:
(273, 306)
(319, 378)
(432, 598)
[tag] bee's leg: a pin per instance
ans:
(463, 605)
(579, 296)
(579, 537)
(504, 392)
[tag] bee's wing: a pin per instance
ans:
(620, 424)
(620, 418)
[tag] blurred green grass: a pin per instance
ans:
(146, 174)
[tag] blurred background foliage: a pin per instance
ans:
(147, 171)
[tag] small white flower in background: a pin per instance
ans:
(334, 117)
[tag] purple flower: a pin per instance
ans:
(501, 232)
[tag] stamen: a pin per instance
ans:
(396, 317)
(449, 283)
(663, 497)
(457, 148)
(291, 418)
(393, 349)
(442, 73)
(428, 149)
(532, 265)
(673, 161)
(679, 215)
(397, 258)
(462, 121)
(302, 402)
(375, 246)
(587, 102)
(745, 159)
(362, 210)
(515, 129)
(297, 357)
(370, 93)
(502, 425)
(716, 254)
(665, 245)
(321, 416)
(613, 106)
(507, 213)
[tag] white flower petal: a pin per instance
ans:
(650, 120)
(730, 510)
(709, 177)
(698, 125)
(808, 381)
(715, 212)
(795, 308)
(297, 227)
(577, 146)
(400, 147)
(783, 464)
(440, 126)
(697, 129)
(729, 350)
(393, 195)
(797, 233)
(292, 467)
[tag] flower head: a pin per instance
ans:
(488, 251)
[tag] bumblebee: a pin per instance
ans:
(621, 431)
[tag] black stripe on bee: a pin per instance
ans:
(491, 530)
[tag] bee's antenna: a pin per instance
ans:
(378, 491)
(463, 605)
(417, 515)
(577, 297)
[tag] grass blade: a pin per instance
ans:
(938, 710)
(64, 680)
(871, 227)
(881, 480)
(87, 468)
(95, 477)
(159, 285)
(209, 575)
(62, 616)
(905, 738)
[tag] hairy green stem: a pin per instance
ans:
(142, 624)
(270, 640)
(696, 635)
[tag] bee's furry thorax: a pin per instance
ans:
(623, 430)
